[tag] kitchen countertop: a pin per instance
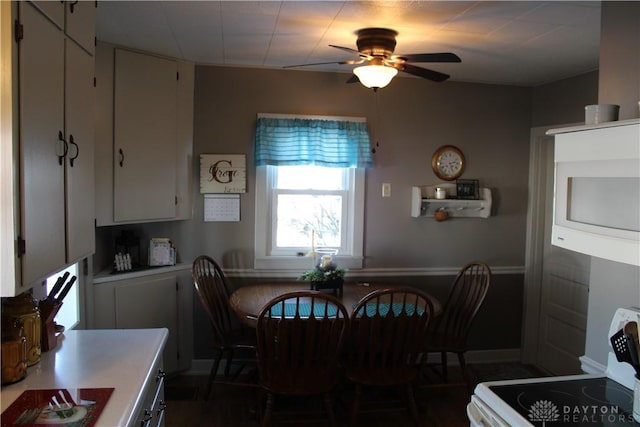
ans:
(106, 276)
(122, 359)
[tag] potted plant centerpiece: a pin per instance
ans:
(325, 275)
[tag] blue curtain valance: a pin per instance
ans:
(295, 141)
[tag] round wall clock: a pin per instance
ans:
(448, 162)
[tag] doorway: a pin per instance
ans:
(556, 280)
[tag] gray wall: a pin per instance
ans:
(409, 120)
(620, 57)
(563, 102)
(612, 285)
(489, 123)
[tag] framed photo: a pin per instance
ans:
(467, 189)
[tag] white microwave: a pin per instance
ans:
(597, 190)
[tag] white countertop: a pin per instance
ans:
(106, 276)
(122, 359)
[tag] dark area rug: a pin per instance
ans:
(180, 392)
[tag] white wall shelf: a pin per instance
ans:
(424, 203)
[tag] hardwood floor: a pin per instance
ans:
(235, 406)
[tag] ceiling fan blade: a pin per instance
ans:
(421, 72)
(349, 62)
(347, 49)
(430, 57)
(353, 79)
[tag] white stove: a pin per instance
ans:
(574, 400)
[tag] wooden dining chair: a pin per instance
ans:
(229, 336)
(449, 333)
(387, 333)
(300, 337)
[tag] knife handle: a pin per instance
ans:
(633, 350)
(58, 285)
(66, 289)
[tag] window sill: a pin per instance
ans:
(302, 263)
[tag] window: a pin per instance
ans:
(309, 201)
(309, 190)
(69, 314)
(297, 206)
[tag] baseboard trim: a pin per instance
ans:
(590, 366)
(203, 366)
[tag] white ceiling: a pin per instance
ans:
(524, 43)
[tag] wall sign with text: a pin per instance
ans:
(223, 173)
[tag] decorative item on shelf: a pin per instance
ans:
(325, 275)
(161, 252)
(600, 113)
(122, 262)
(441, 193)
(467, 189)
(441, 214)
(128, 245)
(424, 202)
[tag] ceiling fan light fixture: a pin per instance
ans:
(375, 76)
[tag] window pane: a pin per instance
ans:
(299, 214)
(309, 177)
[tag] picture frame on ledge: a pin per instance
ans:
(467, 189)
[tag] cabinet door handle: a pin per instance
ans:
(72, 5)
(121, 161)
(64, 145)
(71, 159)
(146, 420)
(161, 411)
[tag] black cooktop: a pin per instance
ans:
(583, 402)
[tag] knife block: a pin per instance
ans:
(48, 310)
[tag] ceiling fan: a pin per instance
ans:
(375, 48)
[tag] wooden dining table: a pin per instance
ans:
(248, 301)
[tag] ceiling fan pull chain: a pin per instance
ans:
(378, 121)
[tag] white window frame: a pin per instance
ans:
(351, 254)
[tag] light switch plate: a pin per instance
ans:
(386, 189)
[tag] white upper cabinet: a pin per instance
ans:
(145, 132)
(76, 18)
(80, 23)
(144, 135)
(53, 143)
(54, 10)
(42, 138)
(80, 175)
(184, 147)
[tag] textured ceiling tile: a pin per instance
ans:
(507, 42)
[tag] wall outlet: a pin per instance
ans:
(386, 189)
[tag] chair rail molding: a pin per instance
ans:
(371, 272)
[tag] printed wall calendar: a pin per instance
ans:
(222, 207)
